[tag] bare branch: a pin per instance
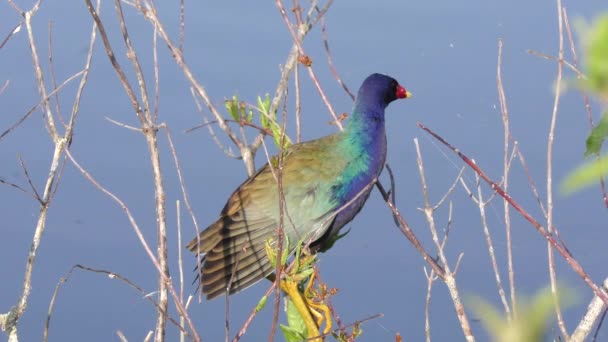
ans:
(559, 246)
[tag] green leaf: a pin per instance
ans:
(285, 253)
(271, 253)
(597, 56)
(291, 335)
(264, 115)
(597, 136)
(233, 108)
(276, 135)
(585, 175)
(294, 319)
(261, 304)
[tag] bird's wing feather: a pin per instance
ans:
(234, 244)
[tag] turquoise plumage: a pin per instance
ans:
(325, 184)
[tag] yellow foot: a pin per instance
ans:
(316, 305)
(291, 289)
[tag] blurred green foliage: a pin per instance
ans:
(595, 44)
(532, 320)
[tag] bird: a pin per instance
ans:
(325, 183)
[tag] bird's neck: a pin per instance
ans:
(364, 145)
(366, 127)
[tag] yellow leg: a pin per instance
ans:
(320, 306)
(291, 289)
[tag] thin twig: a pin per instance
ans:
(559, 246)
(308, 65)
(449, 279)
(41, 103)
(330, 60)
(178, 304)
(550, 140)
(110, 275)
(14, 31)
(505, 179)
(487, 235)
(29, 181)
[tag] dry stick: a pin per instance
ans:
(450, 277)
(46, 108)
(505, 179)
(42, 101)
(178, 305)
(263, 131)
(180, 264)
(2, 181)
(156, 75)
(14, 31)
(8, 321)
(150, 132)
(52, 73)
(182, 25)
(585, 97)
(330, 60)
(280, 229)
(296, 81)
(594, 311)
(432, 276)
(524, 165)
(560, 247)
(109, 274)
(121, 336)
(550, 139)
(404, 227)
(29, 181)
(227, 151)
(486, 233)
(291, 62)
(180, 177)
(557, 59)
(308, 65)
(149, 11)
(186, 201)
(4, 86)
(358, 322)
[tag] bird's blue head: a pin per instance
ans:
(378, 90)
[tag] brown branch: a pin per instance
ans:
(308, 65)
(404, 227)
(14, 31)
(559, 246)
(110, 275)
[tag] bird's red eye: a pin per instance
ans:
(401, 92)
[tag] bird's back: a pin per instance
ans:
(234, 244)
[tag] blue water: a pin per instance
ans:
(444, 53)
